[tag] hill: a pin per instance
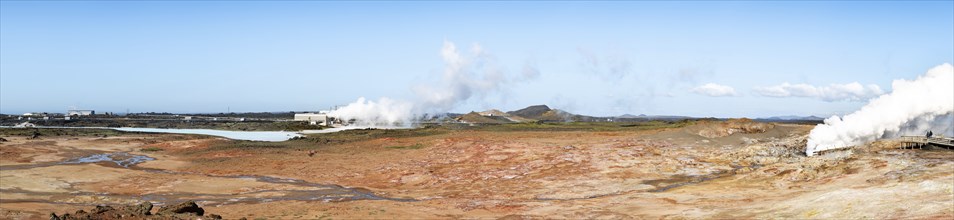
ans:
(531, 112)
(476, 118)
(494, 113)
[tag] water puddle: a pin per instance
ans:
(676, 181)
(122, 159)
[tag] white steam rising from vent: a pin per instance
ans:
(384, 112)
(912, 108)
(465, 77)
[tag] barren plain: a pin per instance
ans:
(695, 169)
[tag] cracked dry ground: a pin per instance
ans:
(663, 173)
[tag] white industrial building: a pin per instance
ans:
(80, 112)
(313, 118)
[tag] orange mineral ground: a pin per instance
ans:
(703, 169)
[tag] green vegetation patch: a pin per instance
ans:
(369, 134)
(581, 126)
(150, 149)
(313, 141)
(407, 147)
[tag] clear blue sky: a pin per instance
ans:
(597, 58)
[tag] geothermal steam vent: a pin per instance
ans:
(912, 108)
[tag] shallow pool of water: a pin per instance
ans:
(236, 135)
(119, 158)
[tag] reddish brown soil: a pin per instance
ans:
(667, 173)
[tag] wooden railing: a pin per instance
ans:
(921, 141)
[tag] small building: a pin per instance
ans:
(313, 118)
(35, 114)
(80, 112)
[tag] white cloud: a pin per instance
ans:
(714, 90)
(831, 93)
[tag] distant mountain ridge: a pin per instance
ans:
(792, 118)
(543, 113)
(652, 117)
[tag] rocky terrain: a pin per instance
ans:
(702, 169)
(185, 210)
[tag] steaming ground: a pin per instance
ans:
(914, 107)
(731, 170)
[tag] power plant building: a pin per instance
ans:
(80, 112)
(313, 118)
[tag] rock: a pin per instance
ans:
(101, 209)
(714, 129)
(3, 140)
(185, 210)
(141, 209)
(185, 207)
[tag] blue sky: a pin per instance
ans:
(597, 58)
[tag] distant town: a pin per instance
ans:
(92, 118)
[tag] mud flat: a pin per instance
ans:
(694, 170)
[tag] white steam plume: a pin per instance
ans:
(464, 78)
(912, 108)
(384, 112)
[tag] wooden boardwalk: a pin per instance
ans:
(921, 141)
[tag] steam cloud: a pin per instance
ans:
(384, 112)
(464, 78)
(912, 108)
